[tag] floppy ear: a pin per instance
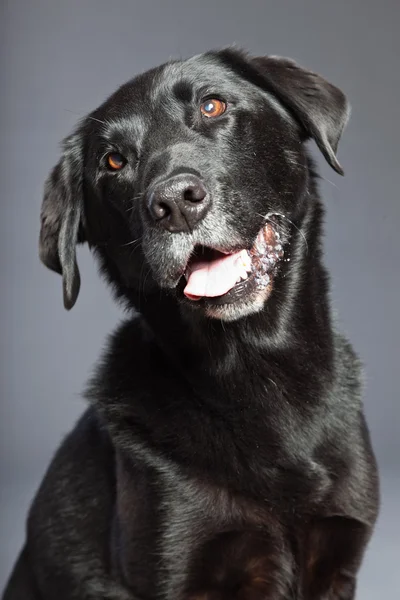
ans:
(320, 107)
(61, 218)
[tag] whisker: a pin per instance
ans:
(329, 181)
(146, 278)
(141, 288)
(134, 199)
(271, 214)
(98, 120)
(73, 112)
(305, 167)
(297, 164)
(134, 248)
(132, 242)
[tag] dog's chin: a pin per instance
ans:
(247, 303)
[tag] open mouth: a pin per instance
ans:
(221, 278)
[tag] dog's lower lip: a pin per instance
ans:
(236, 293)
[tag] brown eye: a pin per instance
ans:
(115, 161)
(213, 108)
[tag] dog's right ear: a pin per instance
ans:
(62, 217)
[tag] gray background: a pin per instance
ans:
(59, 60)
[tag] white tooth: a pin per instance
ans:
(245, 260)
(240, 270)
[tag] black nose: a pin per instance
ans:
(179, 203)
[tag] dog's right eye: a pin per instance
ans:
(115, 161)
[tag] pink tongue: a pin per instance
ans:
(213, 278)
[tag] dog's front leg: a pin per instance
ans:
(334, 550)
(66, 555)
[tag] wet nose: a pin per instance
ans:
(179, 203)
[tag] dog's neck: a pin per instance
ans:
(208, 347)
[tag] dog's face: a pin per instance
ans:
(181, 179)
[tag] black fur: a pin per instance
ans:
(224, 453)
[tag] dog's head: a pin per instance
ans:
(180, 179)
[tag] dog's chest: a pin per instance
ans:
(202, 524)
(171, 527)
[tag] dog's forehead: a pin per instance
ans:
(198, 72)
(154, 93)
(179, 80)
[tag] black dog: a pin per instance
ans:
(225, 453)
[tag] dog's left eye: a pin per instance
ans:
(115, 161)
(213, 107)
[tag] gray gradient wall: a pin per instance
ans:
(59, 60)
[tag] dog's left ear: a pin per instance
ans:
(321, 108)
(62, 217)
